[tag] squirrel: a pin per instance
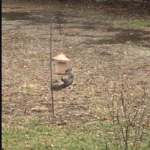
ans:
(56, 85)
(69, 79)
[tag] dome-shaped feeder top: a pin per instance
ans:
(61, 57)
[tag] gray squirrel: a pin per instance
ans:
(68, 80)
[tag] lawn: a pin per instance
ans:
(107, 106)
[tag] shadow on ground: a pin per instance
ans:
(74, 21)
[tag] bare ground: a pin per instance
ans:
(106, 54)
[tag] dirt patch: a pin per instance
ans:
(72, 21)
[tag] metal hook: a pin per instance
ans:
(61, 30)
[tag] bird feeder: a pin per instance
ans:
(60, 64)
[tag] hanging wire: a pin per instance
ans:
(51, 71)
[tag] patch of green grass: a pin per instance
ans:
(94, 16)
(21, 91)
(5, 102)
(36, 135)
(141, 22)
(124, 23)
(25, 90)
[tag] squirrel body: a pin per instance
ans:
(68, 80)
(56, 85)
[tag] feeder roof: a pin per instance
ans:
(61, 57)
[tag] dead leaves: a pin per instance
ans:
(27, 82)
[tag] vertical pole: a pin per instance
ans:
(51, 71)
